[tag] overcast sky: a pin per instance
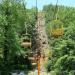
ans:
(41, 3)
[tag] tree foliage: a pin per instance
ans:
(63, 47)
(14, 18)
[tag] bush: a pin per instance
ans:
(65, 63)
(72, 73)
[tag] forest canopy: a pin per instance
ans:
(63, 47)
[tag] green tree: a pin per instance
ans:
(64, 45)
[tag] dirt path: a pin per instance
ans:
(42, 36)
(42, 42)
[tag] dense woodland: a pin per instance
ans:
(63, 47)
(14, 17)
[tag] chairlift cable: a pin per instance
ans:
(56, 10)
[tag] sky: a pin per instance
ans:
(41, 3)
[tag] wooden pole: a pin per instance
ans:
(38, 66)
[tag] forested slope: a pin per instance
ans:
(14, 18)
(63, 47)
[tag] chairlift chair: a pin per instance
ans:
(26, 40)
(57, 28)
